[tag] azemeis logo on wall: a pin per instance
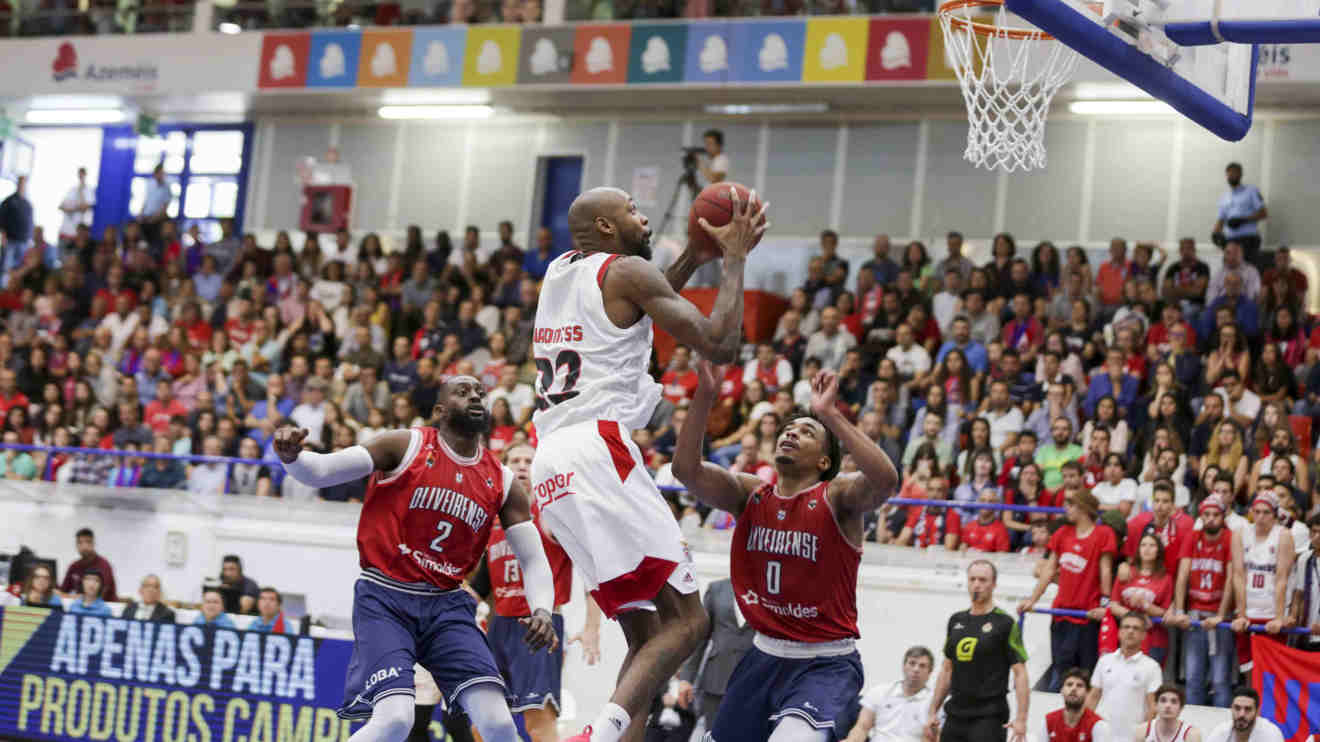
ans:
(66, 67)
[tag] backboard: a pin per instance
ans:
(1199, 56)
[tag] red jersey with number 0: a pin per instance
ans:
(506, 579)
(793, 571)
(429, 520)
(1208, 573)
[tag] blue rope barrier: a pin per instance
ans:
(941, 503)
(1073, 613)
(119, 453)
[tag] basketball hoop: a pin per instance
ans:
(1008, 74)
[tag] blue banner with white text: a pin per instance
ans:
(72, 677)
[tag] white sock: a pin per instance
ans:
(611, 724)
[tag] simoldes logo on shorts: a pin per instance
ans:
(553, 488)
(379, 675)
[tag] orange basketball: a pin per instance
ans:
(714, 204)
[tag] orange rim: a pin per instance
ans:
(985, 29)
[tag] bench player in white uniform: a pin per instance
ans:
(1267, 559)
(592, 344)
(1166, 726)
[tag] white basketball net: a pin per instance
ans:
(1008, 76)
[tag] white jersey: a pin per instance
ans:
(1153, 736)
(588, 369)
(1261, 559)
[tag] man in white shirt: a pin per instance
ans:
(77, 207)
(1169, 703)
(1116, 492)
(311, 413)
(948, 303)
(1246, 724)
(716, 165)
(1004, 417)
(208, 479)
(897, 712)
(1240, 403)
(911, 359)
(831, 342)
(519, 396)
(1124, 682)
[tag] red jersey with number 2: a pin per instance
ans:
(429, 520)
(506, 579)
(794, 573)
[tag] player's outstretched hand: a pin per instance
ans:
(824, 391)
(289, 442)
(1017, 731)
(744, 230)
(540, 631)
(589, 638)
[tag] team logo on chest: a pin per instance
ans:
(781, 515)
(458, 477)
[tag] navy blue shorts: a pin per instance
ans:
(765, 689)
(395, 627)
(533, 678)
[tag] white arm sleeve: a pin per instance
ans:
(538, 582)
(329, 469)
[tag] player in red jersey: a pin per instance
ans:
(1074, 722)
(794, 562)
(432, 497)
(534, 678)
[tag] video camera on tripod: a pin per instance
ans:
(687, 180)
(690, 158)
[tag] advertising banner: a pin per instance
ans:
(71, 677)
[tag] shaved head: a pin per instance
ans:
(607, 220)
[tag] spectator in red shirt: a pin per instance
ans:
(1145, 586)
(163, 408)
(932, 526)
(1082, 557)
(680, 381)
(1024, 333)
(774, 372)
(1157, 337)
(1172, 526)
(987, 531)
(10, 396)
(89, 560)
(1111, 276)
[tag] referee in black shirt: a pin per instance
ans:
(983, 643)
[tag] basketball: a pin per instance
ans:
(714, 205)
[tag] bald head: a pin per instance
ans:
(607, 220)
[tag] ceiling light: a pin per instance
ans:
(751, 109)
(229, 28)
(1121, 108)
(436, 112)
(75, 116)
(439, 97)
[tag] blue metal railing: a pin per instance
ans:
(1196, 626)
(228, 461)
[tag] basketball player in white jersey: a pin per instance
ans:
(1166, 726)
(592, 344)
(1267, 560)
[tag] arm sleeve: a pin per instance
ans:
(538, 581)
(328, 470)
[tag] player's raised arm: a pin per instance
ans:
(382, 453)
(538, 580)
(715, 337)
(878, 479)
(709, 483)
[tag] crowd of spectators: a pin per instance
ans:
(1131, 392)
(89, 588)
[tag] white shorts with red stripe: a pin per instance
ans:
(598, 501)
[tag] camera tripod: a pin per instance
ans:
(688, 179)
